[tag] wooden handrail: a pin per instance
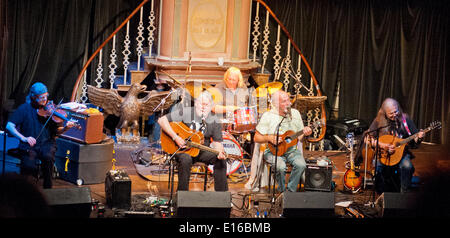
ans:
(80, 76)
(316, 84)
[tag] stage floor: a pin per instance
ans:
(150, 194)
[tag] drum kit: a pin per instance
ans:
(239, 125)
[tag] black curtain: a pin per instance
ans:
(376, 49)
(50, 41)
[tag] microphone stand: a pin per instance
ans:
(276, 158)
(172, 170)
(377, 136)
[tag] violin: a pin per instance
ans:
(57, 115)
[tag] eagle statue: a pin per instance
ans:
(130, 107)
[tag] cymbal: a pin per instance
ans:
(195, 88)
(216, 94)
(267, 88)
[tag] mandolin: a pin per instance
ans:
(193, 146)
(395, 158)
(352, 177)
(289, 139)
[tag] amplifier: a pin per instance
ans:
(91, 127)
(318, 177)
(118, 189)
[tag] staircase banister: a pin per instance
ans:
(313, 77)
(80, 76)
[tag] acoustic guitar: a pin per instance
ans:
(193, 146)
(352, 177)
(395, 158)
(289, 139)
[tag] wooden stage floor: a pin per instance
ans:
(430, 160)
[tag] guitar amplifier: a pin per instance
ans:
(118, 189)
(91, 127)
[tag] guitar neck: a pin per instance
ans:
(206, 148)
(407, 140)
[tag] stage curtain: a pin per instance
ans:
(376, 49)
(50, 41)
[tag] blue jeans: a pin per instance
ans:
(405, 169)
(294, 157)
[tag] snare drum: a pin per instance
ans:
(245, 119)
(231, 146)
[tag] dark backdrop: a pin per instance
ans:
(375, 48)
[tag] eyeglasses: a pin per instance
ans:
(42, 97)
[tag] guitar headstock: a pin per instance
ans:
(435, 125)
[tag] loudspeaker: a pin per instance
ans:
(193, 204)
(397, 204)
(318, 178)
(118, 189)
(308, 204)
(69, 202)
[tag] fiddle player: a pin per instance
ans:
(198, 118)
(36, 140)
(394, 122)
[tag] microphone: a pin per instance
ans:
(288, 113)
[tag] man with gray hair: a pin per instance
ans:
(198, 118)
(266, 132)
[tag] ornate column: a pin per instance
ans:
(201, 39)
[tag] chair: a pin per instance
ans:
(205, 167)
(18, 154)
(199, 164)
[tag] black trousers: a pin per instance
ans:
(185, 162)
(46, 154)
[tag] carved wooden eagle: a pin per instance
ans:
(130, 107)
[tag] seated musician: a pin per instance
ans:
(235, 93)
(198, 118)
(266, 133)
(400, 125)
(37, 139)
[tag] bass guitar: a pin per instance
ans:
(352, 177)
(193, 146)
(389, 159)
(289, 139)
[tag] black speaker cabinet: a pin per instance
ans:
(308, 204)
(196, 204)
(85, 163)
(397, 204)
(69, 202)
(118, 189)
(318, 178)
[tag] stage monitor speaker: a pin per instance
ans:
(397, 204)
(318, 178)
(69, 202)
(195, 204)
(308, 204)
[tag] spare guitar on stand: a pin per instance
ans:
(352, 177)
